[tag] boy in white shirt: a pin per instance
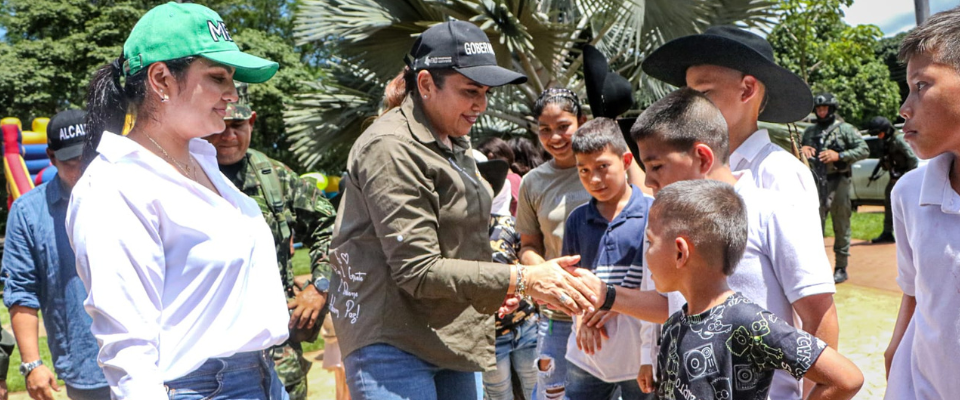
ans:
(784, 268)
(924, 353)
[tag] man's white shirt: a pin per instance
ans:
(774, 168)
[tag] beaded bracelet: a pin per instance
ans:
(521, 288)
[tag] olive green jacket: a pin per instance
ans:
(844, 140)
(411, 253)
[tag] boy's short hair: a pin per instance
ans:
(709, 213)
(938, 37)
(598, 135)
(682, 119)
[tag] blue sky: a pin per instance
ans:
(892, 16)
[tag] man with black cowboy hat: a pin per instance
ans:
(833, 146)
(736, 70)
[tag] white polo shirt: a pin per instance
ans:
(772, 167)
(175, 274)
(926, 221)
(784, 261)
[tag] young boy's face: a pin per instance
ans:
(931, 111)
(603, 173)
(665, 165)
(661, 258)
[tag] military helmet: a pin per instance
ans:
(826, 99)
(880, 125)
(240, 109)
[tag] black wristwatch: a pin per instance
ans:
(610, 298)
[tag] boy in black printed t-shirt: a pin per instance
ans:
(722, 345)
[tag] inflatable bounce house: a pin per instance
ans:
(25, 162)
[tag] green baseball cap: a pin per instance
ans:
(175, 30)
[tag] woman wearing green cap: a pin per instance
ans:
(179, 266)
(415, 287)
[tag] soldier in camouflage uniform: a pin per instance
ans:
(895, 157)
(832, 147)
(293, 208)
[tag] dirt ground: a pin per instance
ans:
(867, 305)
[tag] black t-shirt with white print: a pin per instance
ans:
(730, 352)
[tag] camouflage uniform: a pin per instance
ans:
(835, 180)
(306, 215)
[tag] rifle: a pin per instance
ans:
(875, 174)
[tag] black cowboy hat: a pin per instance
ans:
(788, 97)
(494, 172)
(608, 93)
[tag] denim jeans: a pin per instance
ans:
(581, 385)
(102, 393)
(516, 351)
(242, 376)
(552, 346)
(383, 372)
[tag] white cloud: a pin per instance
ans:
(892, 16)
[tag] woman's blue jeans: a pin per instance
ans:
(552, 350)
(383, 372)
(516, 351)
(242, 376)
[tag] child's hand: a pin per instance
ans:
(589, 339)
(645, 378)
(598, 318)
(510, 304)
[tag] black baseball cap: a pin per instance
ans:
(463, 47)
(66, 133)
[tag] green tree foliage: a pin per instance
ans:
(543, 39)
(813, 41)
(887, 50)
(52, 48)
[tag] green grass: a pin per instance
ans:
(301, 262)
(865, 226)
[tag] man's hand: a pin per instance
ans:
(808, 152)
(306, 307)
(549, 283)
(590, 340)
(41, 383)
(645, 378)
(829, 156)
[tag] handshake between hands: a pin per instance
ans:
(560, 285)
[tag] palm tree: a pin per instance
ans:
(541, 38)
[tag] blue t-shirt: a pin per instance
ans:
(40, 271)
(613, 250)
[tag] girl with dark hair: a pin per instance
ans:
(548, 194)
(179, 266)
(495, 148)
(414, 282)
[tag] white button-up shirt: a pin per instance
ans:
(175, 273)
(926, 221)
(772, 167)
